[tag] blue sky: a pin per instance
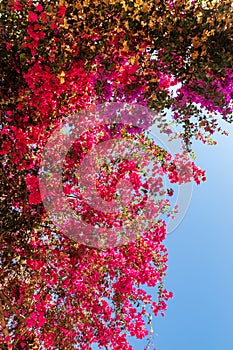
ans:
(200, 267)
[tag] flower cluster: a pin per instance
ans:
(58, 59)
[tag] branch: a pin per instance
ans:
(3, 324)
(13, 309)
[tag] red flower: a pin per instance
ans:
(39, 8)
(35, 198)
(33, 186)
(6, 146)
(170, 192)
(62, 11)
(32, 17)
(8, 46)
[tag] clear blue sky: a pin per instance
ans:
(200, 272)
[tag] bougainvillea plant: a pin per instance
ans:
(59, 58)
